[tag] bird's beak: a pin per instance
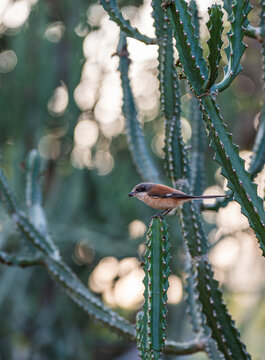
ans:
(131, 194)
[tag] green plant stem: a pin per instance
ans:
(233, 169)
(257, 33)
(21, 261)
(136, 142)
(151, 321)
(67, 279)
(185, 348)
(114, 13)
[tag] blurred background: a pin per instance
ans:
(61, 94)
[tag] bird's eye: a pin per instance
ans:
(140, 189)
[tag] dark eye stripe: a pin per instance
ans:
(141, 189)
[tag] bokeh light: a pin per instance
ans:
(137, 228)
(49, 147)
(104, 274)
(58, 102)
(86, 133)
(16, 13)
(224, 255)
(84, 253)
(55, 31)
(175, 291)
(8, 61)
(129, 289)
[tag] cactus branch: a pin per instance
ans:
(136, 141)
(215, 27)
(58, 269)
(236, 48)
(114, 13)
(21, 261)
(151, 329)
(198, 147)
(187, 42)
(233, 169)
(68, 281)
(257, 33)
(175, 157)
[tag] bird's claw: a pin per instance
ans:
(161, 214)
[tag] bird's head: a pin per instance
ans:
(141, 190)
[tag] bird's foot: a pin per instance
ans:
(161, 214)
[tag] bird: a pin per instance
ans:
(162, 197)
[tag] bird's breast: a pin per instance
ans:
(160, 204)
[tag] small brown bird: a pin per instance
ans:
(163, 197)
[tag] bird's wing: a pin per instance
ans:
(167, 192)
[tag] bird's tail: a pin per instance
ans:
(209, 197)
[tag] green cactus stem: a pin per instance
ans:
(236, 48)
(175, 157)
(113, 10)
(198, 147)
(215, 27)
(21, 261)
(34, 196)
(257, 33)
(151, 329)
(57, 268)
(194, 309)
(258, 157)
(135, 138)
(195, 17)
(220, 322)
(232, 167)
(187, 42)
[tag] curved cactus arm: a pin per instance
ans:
(185, 348)
(187, 42)
(257, 33)
(34, 196)
(135, 138)
(22, 261)
(232, 167)
(235, 49)
(81, 295)
(58, 269)
(258, 158)
(24, 226)
(33, 192)
(215, 27)
(151, 321)
(114, 13)
(175, 158)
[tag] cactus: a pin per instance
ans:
(215, 27)
(136, 141)
(214, 328)
(151, 328)
(112, 8)
(226, 153)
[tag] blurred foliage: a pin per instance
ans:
(85, 203)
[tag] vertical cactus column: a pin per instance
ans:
(200, 80)
(151, 321)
